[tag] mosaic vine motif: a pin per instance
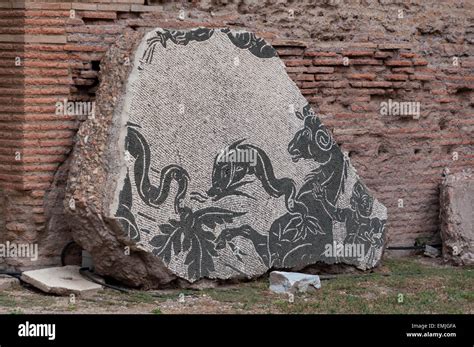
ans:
(244, 40)
(177, 37)
(256, 45)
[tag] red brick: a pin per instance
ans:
(418, 62)
(289, 51)
(96, 14)
(275, 42)
(37, 168)
(52, 64)
(467, 63)
(408, 70)
(37, 193)
(85, 48)
(297, 69)
(362, 76)
(305, 77)
(446, 100)
(114, 7)
(371, 84)
(298, 62)
(365, 62)
(382, 55)
(360, 107)
(420, 77)
(326, 77)
(394, 46)
(338, 61)
(83, 81)
(396, 77)
(309, 91)
(408, 55)
(406, 85)
(398, 63)
(320, 54)
(15, 226)
(359, 53)
(338, 84)
(45, 81)
(320, 69)
(373, 91)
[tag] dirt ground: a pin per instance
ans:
(415, 285)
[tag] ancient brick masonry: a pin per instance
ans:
(346, 58)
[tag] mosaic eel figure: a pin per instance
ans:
(228, 176)
(152, 195)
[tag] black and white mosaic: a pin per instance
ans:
(226, 169)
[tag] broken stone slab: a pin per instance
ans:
(204, 161)
(63, 280)
(431, 252)
(293, 282)
(457, 218)
(8, 282)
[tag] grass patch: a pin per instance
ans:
(424, 289)
(156, 311)
(25, 301)
(7, 300)
(245, 297)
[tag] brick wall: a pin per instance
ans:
(347, 57)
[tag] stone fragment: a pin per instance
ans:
(204, 160)
(63, 280)
(293, 282)
(457, 218)
(431, 252)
